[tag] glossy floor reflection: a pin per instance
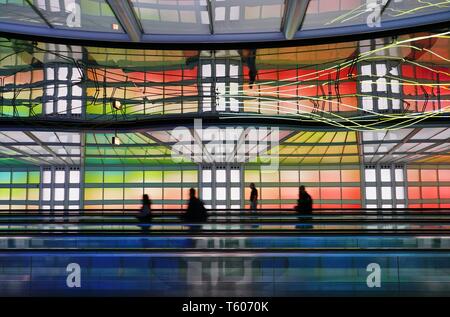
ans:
(231, 255)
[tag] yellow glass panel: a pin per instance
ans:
(113, 193)
(350, 159)
(251, 176)
(18, 194)
(340, 137)
(33, 193)
(190, 176)
(153, 176)
(316, 137)
(351, 137)
(335, 149)
(172, 176)
(350, 149)
(331, 160)
(93, 194)
(153, 193)
(133, 193)
(328, 137)
(311, 160)
(4, 193)
(270, 176)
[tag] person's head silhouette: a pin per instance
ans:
(145, 199)
(252, 185)
(302, 189)
(191, 193)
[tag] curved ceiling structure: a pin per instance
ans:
(213, 21)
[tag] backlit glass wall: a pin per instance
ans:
(19, 188)
(330, 187)
(429, 186)
(119, 188)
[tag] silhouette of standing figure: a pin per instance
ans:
(253, 197)
(196, 211)
(146, 214)
(304, 202)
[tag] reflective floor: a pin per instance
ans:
(230, 255)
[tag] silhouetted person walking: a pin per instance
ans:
(248, 56)
(146, 211)
(196, 211)
(253, 197)
(304, 202)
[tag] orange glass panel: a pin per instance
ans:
(350, 176)
(444, 192)
(309, 176)
(429, 192)
(428, 175)
(444, 175)
(289, 193)
(330, 176)
(330, 193)
(270, 193)
(353, 193)
(414, 192)
(172, 193)
(413, 175)
(153, 193)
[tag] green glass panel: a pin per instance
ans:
(5, 177)
(19, 177)
(4, 193)
(190, 176)
(134, 177)
(113, 177)
(93, 177)
(18, 194)
(34, 177)
(153, 176)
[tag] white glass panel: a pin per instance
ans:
(386, 193)
(221, 193)
(235, 176)
(74, 177)
(382, 103)
(47, 177)
(206, 71)
(398, 175)
(221, 176)
(366, 86)
(371, 193)
(206, 176)
(366, 70)
(59, 194)
(74, 194)
(60, 177)
(206, 193)
(46, 194)
(62, 73)
(370, 175)
(400, 192)
(385, 175)
(234, 13)
(219, 14)
(235, 193)
(367, 103)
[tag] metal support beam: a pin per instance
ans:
(39, 13)
(124, 12)
(210, 16)
(294, 15)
